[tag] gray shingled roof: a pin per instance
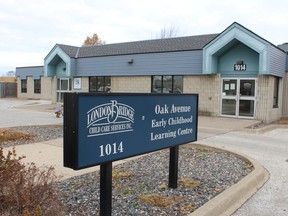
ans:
(71, 51)
(284, 47)
(140, 47)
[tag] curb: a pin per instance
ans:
(230, 200)
(266, 128)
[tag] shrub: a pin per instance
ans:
(26, 189)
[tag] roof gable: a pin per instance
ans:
(71, 51)
(233, 34)
(58, 54)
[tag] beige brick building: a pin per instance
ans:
(236, 73)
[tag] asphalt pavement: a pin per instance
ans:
(15, 112)
(266, 148)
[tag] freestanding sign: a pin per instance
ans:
(101, 128)
(107, 127)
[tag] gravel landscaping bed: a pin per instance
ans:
(140, 186)
(39, 133)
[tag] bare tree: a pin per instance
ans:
(168, 32)
(10, 74)
(93, 40)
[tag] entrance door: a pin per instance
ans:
(63, 85)
(238, 97)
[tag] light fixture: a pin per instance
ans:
(130, 61)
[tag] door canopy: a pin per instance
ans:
(231, 36)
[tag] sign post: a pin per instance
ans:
(106, 189)
(102, 128)
(173, 167)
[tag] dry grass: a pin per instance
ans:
(189, 207)
(189, 183)
(120, 174)
(201, 149)
(7, 135)
(163, 186)
(165, 201)
(157, 200)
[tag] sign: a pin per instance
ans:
(240, 67)
(109, 127)
(77, 83)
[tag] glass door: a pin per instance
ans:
(247, 98)
(63, 85)
(238, 97)
(229, 97)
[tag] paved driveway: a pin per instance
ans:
(271, 150)
(14, 112)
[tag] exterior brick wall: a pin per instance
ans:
(19, 94)
(85, 85)
(45, 89)
(208, 88)
(54, 89)
(135, 84)
(264, 104)
(30, 88)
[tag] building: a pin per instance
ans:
(236, 73)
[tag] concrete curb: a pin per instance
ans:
(265, 129)
(234, 197)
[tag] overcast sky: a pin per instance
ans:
(29, 29)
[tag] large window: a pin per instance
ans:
(100, 84)
(24, 86)
(167, 84)
(37, 86)
(276, 92)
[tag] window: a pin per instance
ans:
(24, 86)
(64, 84)
(276, 92)
(100, 84)
(167, 84)
(37, 86)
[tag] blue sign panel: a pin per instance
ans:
(110, 127)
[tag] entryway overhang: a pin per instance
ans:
(230, 37)
(57, 63)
